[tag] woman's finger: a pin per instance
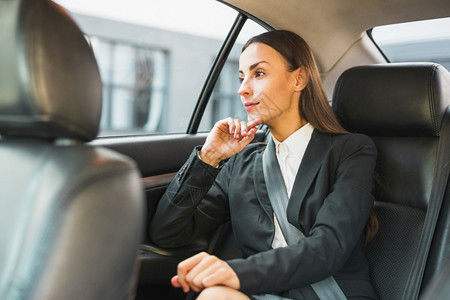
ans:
(203, 269)
(253, 123)
(174, 281)
(231, 126)
(249, 136)
(185, 267)
(244, 128)
(237, 131)
(223, 275)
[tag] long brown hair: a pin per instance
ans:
(313, 104)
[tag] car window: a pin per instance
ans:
(423, 41)
(153, 59)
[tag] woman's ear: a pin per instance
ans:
(301, 79)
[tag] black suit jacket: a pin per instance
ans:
(330, 203)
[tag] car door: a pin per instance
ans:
(165, 85)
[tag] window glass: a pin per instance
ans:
(423, 41)
(134, 86)
(225, 101)
(153, 58)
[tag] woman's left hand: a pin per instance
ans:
(203, 270)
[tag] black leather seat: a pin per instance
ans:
(403, 107)
(71, 215)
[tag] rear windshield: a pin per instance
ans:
(423, 41)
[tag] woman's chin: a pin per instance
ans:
(253, 117)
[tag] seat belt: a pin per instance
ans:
(327, 289)
(414, 282)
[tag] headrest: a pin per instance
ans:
(393, 99)
(50, 84)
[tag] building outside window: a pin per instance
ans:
(134, 86)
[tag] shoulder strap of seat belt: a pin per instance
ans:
(327, 289)
(440, 182)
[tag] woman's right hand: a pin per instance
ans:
(202, 271)
(228, 137)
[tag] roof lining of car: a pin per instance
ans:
(331, 39)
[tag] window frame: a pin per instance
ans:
(213, 76)
(216, 69)
(369, 33)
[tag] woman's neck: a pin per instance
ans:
(282, 130)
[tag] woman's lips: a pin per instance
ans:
(250, 105)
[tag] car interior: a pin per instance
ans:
(75, 206)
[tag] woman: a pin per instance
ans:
(327, 174)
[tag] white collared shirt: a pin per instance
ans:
(290, 154)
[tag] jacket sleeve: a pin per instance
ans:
(194, 203)
(337, 229)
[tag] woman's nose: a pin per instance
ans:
(244, 89)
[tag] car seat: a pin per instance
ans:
(404, 107)
(71, 214)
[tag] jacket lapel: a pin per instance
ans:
(312, 160)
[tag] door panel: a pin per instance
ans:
(158, 159)
(155, 154)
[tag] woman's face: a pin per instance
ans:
(268, 90)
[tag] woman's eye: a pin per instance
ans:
(259, 73)
(241, 79)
